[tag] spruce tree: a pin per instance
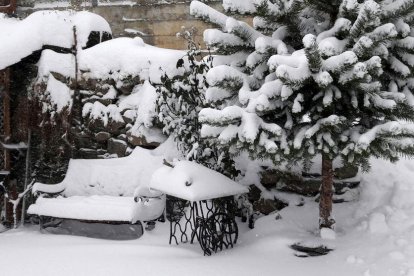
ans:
(181, 98)
(343, 88)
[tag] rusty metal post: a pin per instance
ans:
(8, 7)
(6, 114)
(12, 192)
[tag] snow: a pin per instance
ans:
(328, 234)
(50, 61)
(205, 12)
(104, 189)
(230, 113)
(60, 95)
(112, 60)
(216, 37)
(217, 74)
(386, 202)
(337, 63)
(120, 60)
(194, 182)
(89, 208)
(99, 208)
(95, 111)
(112, 177)
(21, 38)
(143, 100)
(394, 127)
(373, 235)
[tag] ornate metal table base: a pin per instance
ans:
(210, 221)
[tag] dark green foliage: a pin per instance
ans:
(180, 99)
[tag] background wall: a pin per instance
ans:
(156, 21)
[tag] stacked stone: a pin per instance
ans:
(105, 129)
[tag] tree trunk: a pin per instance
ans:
(325, 202)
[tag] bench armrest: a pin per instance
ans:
(147, 198)
(49, 189)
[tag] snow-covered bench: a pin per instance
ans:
(103, 190)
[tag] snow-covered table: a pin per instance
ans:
(210, 198)
(103, 190)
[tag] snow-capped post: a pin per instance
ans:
(77, 105)
(326, 78)
(75, 116)
(27, 171)
(15, 203)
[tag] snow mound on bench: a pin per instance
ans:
(112, 177)
(115, 177)
(194, 182)
(96, 208)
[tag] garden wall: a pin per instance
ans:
(157, 22)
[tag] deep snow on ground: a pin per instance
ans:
(375, 236)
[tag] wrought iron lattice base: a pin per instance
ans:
(210, 221)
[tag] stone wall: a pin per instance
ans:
(157, 22)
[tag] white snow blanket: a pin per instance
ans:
(194, 182)
(104, 189)
(20, 38)
(375, 236)
(89, 208)
(115, 59)
(119, 60)
(99, 208)
(113, 177)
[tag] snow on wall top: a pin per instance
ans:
(194, 182)
(115, 59)
(123, 57)
(20, 38)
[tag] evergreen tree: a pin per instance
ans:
(180, 100)
(342, 88)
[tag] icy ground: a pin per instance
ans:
(375, 237)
